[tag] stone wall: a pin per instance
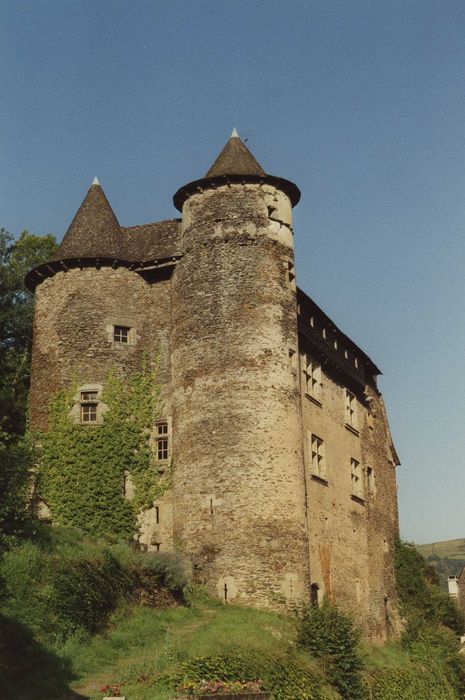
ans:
(239, 500)
(352, 525)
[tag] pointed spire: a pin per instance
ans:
(235, 159)
(95, 181)
(94, 231)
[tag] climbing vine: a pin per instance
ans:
(82, 468)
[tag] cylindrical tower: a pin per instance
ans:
(238, 489)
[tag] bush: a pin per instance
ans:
(57, 587)
(15, 481)
(412, 682)
(422, 602)
(439, 647)
(285, 677)
(330, 635)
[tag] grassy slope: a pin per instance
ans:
(449, 549)
(144, 642)
(147, 641)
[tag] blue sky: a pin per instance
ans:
(361, 103)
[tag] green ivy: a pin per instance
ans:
(82, 467)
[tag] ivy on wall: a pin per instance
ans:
(82, 467)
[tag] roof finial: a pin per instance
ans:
(95, 181)
(234, 134)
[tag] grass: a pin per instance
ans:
(144, 642)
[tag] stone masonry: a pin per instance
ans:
(283, 465)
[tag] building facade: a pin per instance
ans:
(283, 485)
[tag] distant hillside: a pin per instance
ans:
(449, 549)
(448, 558)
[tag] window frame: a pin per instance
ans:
(351, 411)
(318, 458)
(311, 370)
(356, 480)
(162, 441)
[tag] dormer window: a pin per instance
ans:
(121, 334)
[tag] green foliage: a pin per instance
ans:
(82, 468)
(438, 648)
(422, 602)
(16, 308)
(330, 635)
(15, 480)
(412, 682)
(56, 594)
(285, 677)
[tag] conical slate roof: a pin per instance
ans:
(94, 231)
(235, 159)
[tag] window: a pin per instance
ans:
(356, 478)
(350, 409)
(318, 457)
(121, 334)
(312, 377)
(89, 406)
(162, 441)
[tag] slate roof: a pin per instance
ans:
(235, 159)
(94, 231)
(235, 163)
(154, 241)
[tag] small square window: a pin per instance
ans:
(121, 334)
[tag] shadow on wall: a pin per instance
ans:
(28, 671)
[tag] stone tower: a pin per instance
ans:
(239, 474)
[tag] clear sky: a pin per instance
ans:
(360, 102)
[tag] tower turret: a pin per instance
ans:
(238, 459)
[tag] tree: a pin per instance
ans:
(16, 309)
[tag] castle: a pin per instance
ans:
(283, 485)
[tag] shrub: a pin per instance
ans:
(439, 647)
(286, 677)
(412, 682)
(68, 586)
(330, 635)
(422, 602)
